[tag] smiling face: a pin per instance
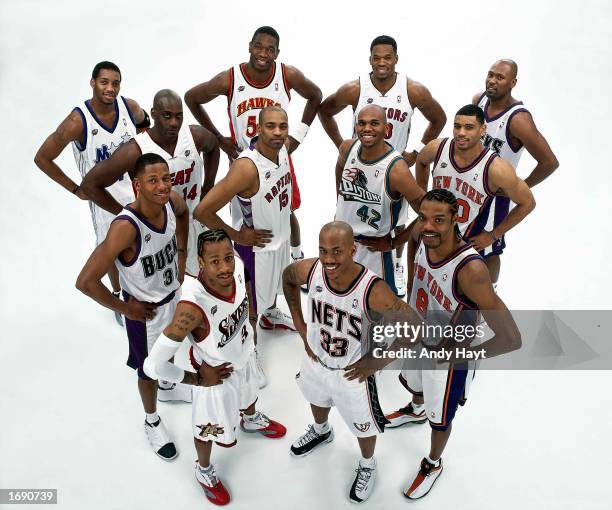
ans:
(437, 223)
(383, 60)
(217, 264)
(106, 86)
(153, 183)
(371, 125)
(467, 131)
(336, 252)
(263, 50)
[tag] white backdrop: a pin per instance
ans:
(70, 413)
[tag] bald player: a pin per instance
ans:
(372, 180)
(180, 145)
(510, 129)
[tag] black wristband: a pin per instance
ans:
(76, 189)
(144, 123)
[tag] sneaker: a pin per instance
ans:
(309, 441)
(118, 316)
(275, 318)
(176, 392)
(425, 478)
(264, 425)
(215, 492)
(261, 376)
(160, 440)
(405, 415)
(363, 483)
(400, 279)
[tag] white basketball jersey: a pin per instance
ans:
(152, 273)
(334, 319)
(247, 99)
(363, 198)
(435, 291)
(497, 137)
(186, 165)
(100, 141)
(270, 207)
(230, 335)
(469, 185)
(396, 104)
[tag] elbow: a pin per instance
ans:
(515, 341)
(189, 99)
(87, 185)
(38, 160)
(554, 164)
(82, 284)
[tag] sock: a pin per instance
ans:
(434, 463)
(164, 385)
(368, 463)
(296, 251)
(250, 417)
(153, 418)
(206, 469)
(321, 428)
(116, 293)
(417, 408)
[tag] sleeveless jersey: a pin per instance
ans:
(334, 319)
(396, 104)
(497, 137)
(246, 99)
(152, 273)
(363, 198)
(469, 184)
(100, 141)
(230, 335)
(435, 291)
(270, 207)
(186, 165)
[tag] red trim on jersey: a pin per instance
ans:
(449, 381)
(228, 299)
(285, 82)
(230, 88)
(296, 198)
(230, 95)
(469, 228)
(485, 174)
(439, 153)
(311, 273)
(263, 85)
(460, 169)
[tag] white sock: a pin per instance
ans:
(206, 469)
(152, 418)
(164, 385)
(249, 417)
(368, 463)
(296, 251)
(434, 463)
(417, 408)
(321, 428)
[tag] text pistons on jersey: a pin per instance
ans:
(354, 187)
(341, 320)
(164, 257)
(229, 326)
(277, 188)
(461, 186)
(254, 103)
(395, 114)
(434, 289)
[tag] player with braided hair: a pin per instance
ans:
(214, 313)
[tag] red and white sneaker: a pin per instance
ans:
(264, 425)
(275, 318)
(405, 415)
(213, 488)
(425, 478)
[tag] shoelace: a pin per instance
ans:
(409, 409)
(259, 419)
(363, 477)
(309, 436)
(209, 476)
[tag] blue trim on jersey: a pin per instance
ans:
(102, 125)
(396, 207)
(76, 142)
(455, 395)
(128, 110)
(389, 270)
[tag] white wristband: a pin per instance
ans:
(300, 132)
(418, 148)
(157, 366)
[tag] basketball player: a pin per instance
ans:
(372, 179)
(477, 176)
(399, 96)
(147, 243)
(340, 290)
(214, 312)
(450, 282)
(510, 129)
(180, 145)
(250, 86)
(96, 129)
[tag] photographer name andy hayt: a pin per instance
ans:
(444, 354)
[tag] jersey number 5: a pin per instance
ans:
(251, 129)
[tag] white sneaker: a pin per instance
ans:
(400, 279)
(175, 392)
(160, 441)
(261, 376)
(363, 483)
(213, 488)
(275, 318)
(306, 443)
(405, 415)
(424, 480)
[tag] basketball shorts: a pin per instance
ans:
(356, 402)
(380, 262)
(497, 213)
(216, 409)
(442, 389)
(265, 271)
(142, 335)
(296, 199)
(102, 219)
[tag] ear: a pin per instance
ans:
(92, 82)
(513, 83)
(353, 250)
(200, 262)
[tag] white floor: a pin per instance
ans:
(69, 409)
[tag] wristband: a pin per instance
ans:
(418, 148)
(76, 189)
(300, 132)
(495, 239)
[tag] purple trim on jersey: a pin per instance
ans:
(439, 153)
(508, 134)
(503, 112)
(485, 174)
(481, 97)
(246, 210)
(248, 258)
(128, 110)
(460, 169)
(147, 223)
(480, 221)
(455, 284)
(138, 240)
(137, 343)
(77, 143)
(102, 125)
(440, 263)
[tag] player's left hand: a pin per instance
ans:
(410, 157)
(291, 144)
(360, 370)
(482, 240)
(377, 243)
